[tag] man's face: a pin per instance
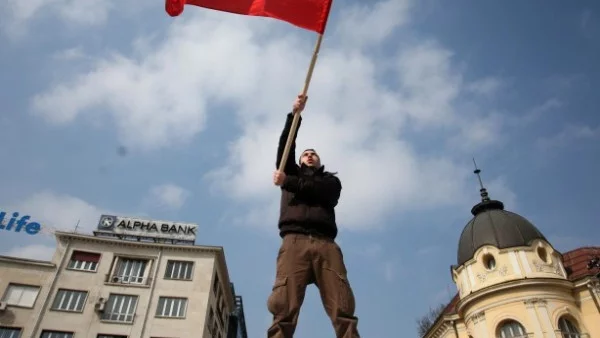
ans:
(310, 159)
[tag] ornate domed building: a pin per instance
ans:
(512, 283)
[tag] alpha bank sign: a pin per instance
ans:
(131, 226)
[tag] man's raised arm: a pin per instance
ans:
(290, 164)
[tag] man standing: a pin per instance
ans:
(308, 253)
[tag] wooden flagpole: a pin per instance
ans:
(294, 127)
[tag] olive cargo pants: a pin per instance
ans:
(303, 260)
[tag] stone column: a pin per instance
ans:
(533, 317)
(544, 317)
(479, 324)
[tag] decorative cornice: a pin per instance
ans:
(25, 261)
(502, 271)
(532, 302)
(522, 299)
(443, 326)
(477, 317)
(129, 243)
(510, 285)
(528, 248)
(584, 281)
(553, 267)
(594, 285)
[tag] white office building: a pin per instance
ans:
(132, 278)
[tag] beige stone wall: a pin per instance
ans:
(537, 308)
(451, 328)
(197, 291)
(589, 299)
(88, 323)
(463, 331)
(539, 260)
(20, 272)
(528, 285)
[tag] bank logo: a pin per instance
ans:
(107, 222)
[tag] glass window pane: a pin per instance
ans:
(9, 332)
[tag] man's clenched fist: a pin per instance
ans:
(299, 103)
(278, 177)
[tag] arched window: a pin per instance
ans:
(567, 328)
(511, 329)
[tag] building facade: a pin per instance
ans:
(110, 287)
(237, 320)
(512, 283)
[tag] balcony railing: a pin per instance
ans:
(128, 280)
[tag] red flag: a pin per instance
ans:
(308, 14)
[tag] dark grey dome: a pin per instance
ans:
(492, 225)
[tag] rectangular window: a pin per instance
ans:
(221, 310)
(216, 284)
(21, 295)
(84, 261)
(56, 334)
(10, 332)
(171, 307)
(69, 300)
(120, 308)
(179, 270)
(108, 336)
(221, 321)
(130, 271)
(211, 320)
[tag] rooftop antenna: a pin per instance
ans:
(76, 226)
(482, 190)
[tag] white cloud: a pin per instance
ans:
(356, 121)
(487, 86)
(33, 251)
(538, 112)
(56, 211)
(70, 54)
(443, 296)
(480, 132)
(168, 196)
(498, 190)
(16, 15)
(569, 134)
(53, 211)
(370, 25)
(388, 271)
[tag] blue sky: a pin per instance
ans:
(405, 93)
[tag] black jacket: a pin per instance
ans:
(308, 195)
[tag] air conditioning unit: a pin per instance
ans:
(99, 306)
(3, 306)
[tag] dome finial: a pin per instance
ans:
(486, 203)
(483, 191)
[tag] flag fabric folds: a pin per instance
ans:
(307, 14)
